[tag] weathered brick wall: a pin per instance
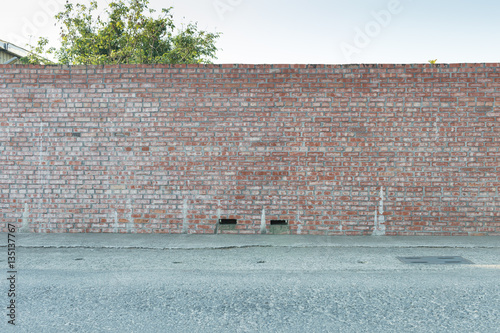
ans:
(335, 150)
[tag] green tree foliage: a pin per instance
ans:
(129, 34)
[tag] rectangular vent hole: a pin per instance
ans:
(76, 134)
(227, 221)
(279, 222)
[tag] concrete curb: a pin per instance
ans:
(186, 242)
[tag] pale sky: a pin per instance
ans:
(313, 31)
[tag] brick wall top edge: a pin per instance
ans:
(414, 65)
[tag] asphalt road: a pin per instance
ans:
(255, 289)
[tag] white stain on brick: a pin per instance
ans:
(263, 222)
(379, 222)
(115, 227)
(218, 216)
(184, 217)
(218, 209)
(25, 223)
(130, 224)
(299, 225)
(436, 129)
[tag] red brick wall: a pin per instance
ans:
(173, 148)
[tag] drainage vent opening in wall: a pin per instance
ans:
(435, 260)
(279, 222)
(227, 221)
